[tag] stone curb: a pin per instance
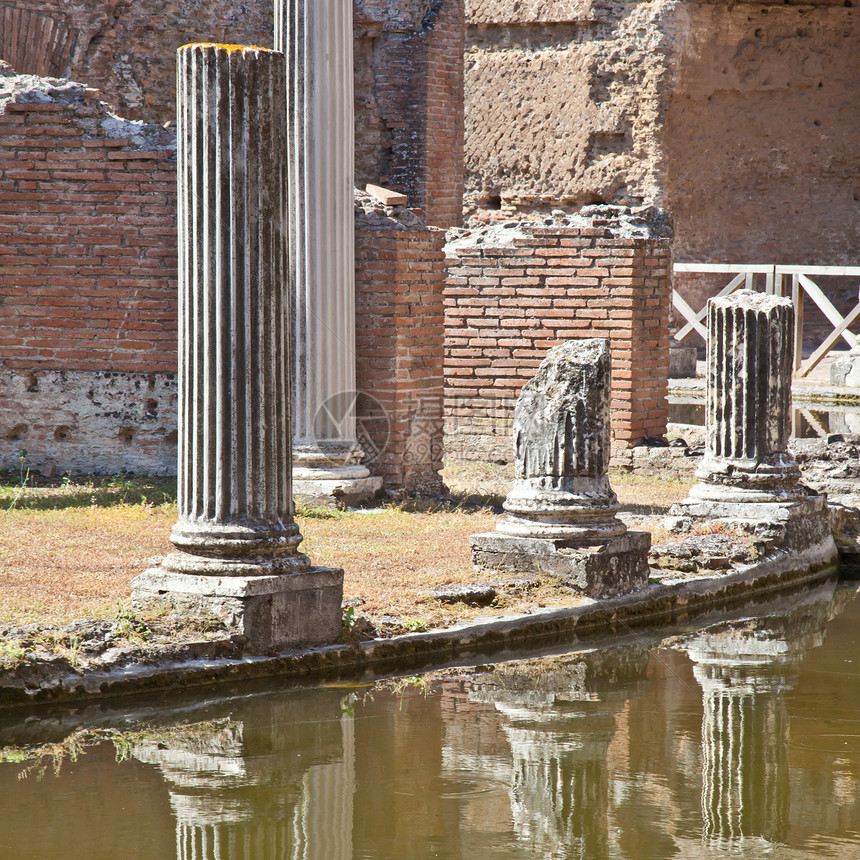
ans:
(659, 603)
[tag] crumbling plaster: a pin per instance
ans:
(106, 422)
(763, 134)
(741, 119)
(564, 101)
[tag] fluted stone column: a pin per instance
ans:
(748, 411)
(236, 541)
(316, 37)
(745, 773)
(561, 499)
(277, 783)
(748, 479)
(559, 726)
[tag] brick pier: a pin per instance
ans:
(509, 300)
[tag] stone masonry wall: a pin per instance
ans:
(514, 292)
(400, 317)
(564, 102)
(408, 72)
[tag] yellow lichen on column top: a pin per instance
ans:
(229, 48)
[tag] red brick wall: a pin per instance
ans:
(87, 245)
(400, 279)
(35, 43)
(506, 306)
(88, 252)
(419, 89)
(408, 61)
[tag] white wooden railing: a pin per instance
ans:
(777, 280)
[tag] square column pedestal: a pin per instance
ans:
(270, 612)
(618, 566)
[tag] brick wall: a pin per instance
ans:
(511, 297)
(425, 119)
(35, 43)
(400, 279)
(88, 254)
(88, 292)
(408, 73)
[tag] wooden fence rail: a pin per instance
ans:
(776, 280)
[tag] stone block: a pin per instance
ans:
(610, 569)
(682, 361)
(793, 526)
(271, 613)
(335, 492)
(845, 370)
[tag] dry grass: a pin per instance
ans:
(70, 551)
(59, 565)
(488, 483)
(391, 557)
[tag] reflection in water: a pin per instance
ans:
(630, 752)
(240, 791)
(559, 722)
(744, 668)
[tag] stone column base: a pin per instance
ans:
(618, 566)
(273, 612)
(340, 488)
(793, 526)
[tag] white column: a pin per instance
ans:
(316, 37)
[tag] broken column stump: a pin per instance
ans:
(561, 510)
(236, 543)
(748, 478)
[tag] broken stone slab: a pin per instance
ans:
(562, 512)
(707, 552)
(479, 594)
(845, 528)
(611, 569)
(334, 492)
(790, 527)
(386, 196)
(845, 370)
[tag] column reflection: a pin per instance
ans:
(273, 788)
(744, 669)
(559, 719)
